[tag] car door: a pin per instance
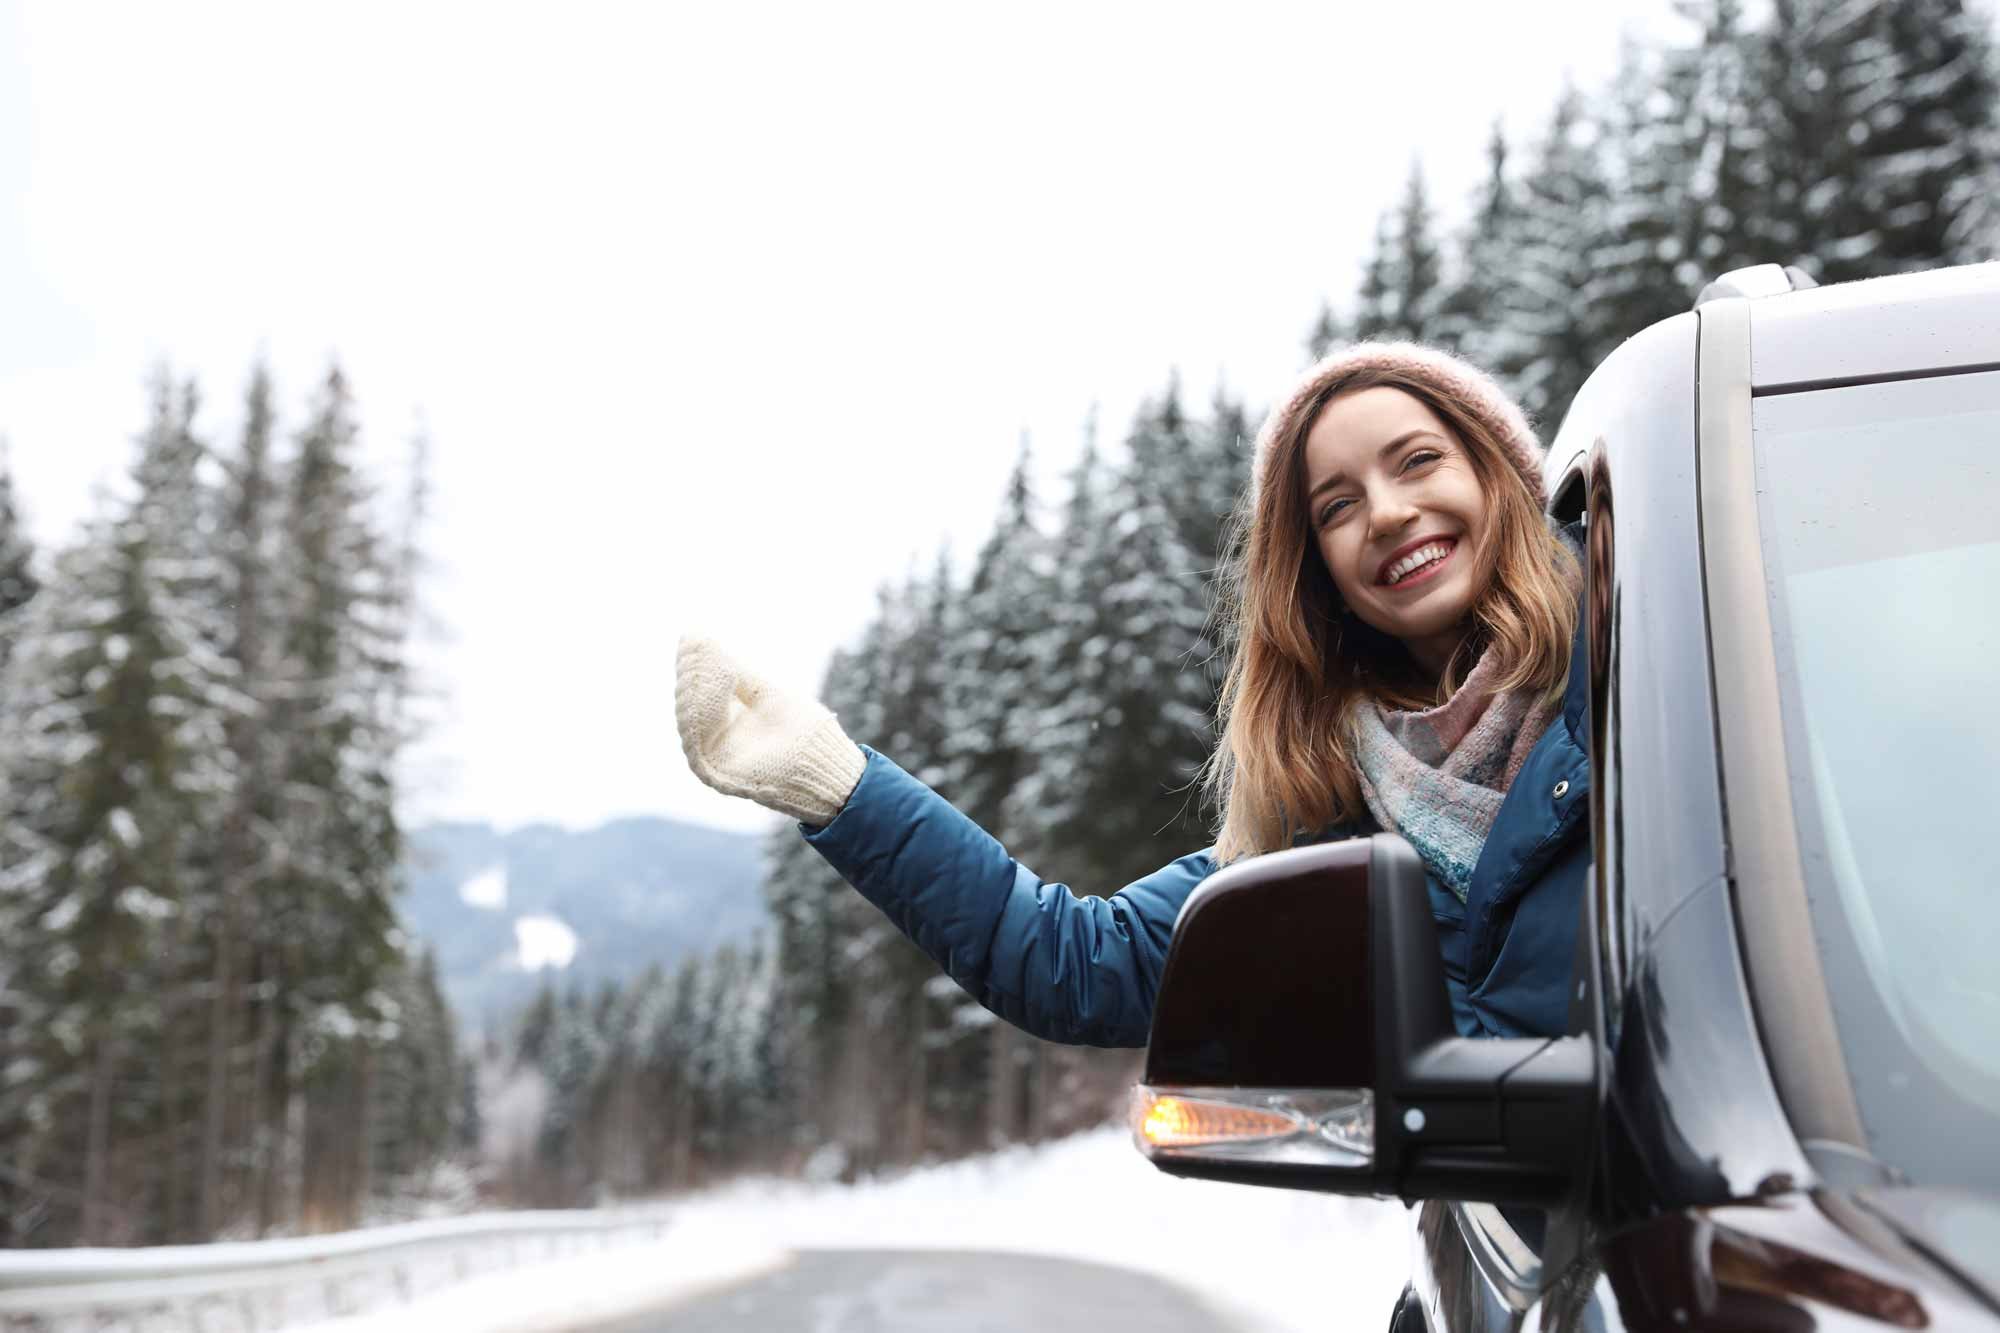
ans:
(1629, 436)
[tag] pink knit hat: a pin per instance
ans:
(1450, 375)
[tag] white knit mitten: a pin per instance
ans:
(744, 738)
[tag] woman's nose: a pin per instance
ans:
(1389, 514)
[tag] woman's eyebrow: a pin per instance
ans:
(1387, 449)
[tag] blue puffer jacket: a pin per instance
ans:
(1083, 970)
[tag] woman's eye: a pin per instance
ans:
(1333, 511)
(1421, 456)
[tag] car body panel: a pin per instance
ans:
(1793, 1262)
(1914, 323)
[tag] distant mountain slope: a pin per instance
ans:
(603, 903)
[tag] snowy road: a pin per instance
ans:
(918, 1291)
(1255, 1260)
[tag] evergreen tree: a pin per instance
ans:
(1816, 74)
(990, 659)
(1928, 165)
(1418, 262)
(18, 581)
(1375, 313)
(1469, 311)
(416, 1087)
(328, 917)
(1127, 721)
(244, 551)
(1550, 332)
(1401, 281)
(1658, 154)
(114, 763)
(1326, 333)
(1714, 153)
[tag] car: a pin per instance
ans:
(1777, 1101)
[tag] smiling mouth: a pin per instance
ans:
(1418, 565)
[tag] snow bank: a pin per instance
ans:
(1278, 1260)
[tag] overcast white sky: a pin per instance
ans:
(718, 315)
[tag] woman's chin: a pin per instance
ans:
(1436, 616)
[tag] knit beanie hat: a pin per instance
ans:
(1450, 375)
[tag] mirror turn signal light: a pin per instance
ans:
(1327, 1126)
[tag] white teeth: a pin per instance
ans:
(1416, 560)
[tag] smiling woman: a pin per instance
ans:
(1404, 620)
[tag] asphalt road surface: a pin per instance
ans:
(917, 1291)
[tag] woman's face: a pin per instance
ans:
(1399, 517)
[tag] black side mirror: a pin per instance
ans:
(1302, 1036)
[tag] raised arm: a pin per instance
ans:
(1067, 968)
(1064, 967)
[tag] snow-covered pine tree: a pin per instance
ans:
(1549, 332)
(667, 1034)
(1816, 66)
(1375, 313)
(114, 763)
(1926, 154)
(1659, 155)
(1419, 261)
(1469, 316)
(244, 551)
(1127, 700)
(18, 585)
(991, 685)
(415, 1090)
(1326, 333)
(328, 921)
(1707, 131)
(624, 1113)
(571, 1050)
(898, 1010)
(1401, 290)
(1057, 726)
(989, 662)
(18, 580)
(799, 892)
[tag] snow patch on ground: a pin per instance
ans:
(1273, 1261)
(543, 941)
(486, 889)
(1279, 1261)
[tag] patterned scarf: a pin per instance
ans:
(1438, 776)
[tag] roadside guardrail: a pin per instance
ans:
(257, 1286)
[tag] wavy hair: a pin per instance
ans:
(1300, 663)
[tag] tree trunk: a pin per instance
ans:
(263, 1114)
(1040, 1095)
(97, 1143)
(918, 1095)
(363, 1100)
(221, 1034)
(172, 1108)
(1003, 1084)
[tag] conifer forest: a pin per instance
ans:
(211, 1021)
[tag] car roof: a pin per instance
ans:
(1933, 322)
(1937, 321)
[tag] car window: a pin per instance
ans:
(1880, 509)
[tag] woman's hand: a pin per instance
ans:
(745, 738)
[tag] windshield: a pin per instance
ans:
(1880, 509)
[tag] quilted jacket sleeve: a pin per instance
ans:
(1063, 967)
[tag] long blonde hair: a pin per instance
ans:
(1284, 762)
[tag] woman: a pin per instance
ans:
(1405, 621)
